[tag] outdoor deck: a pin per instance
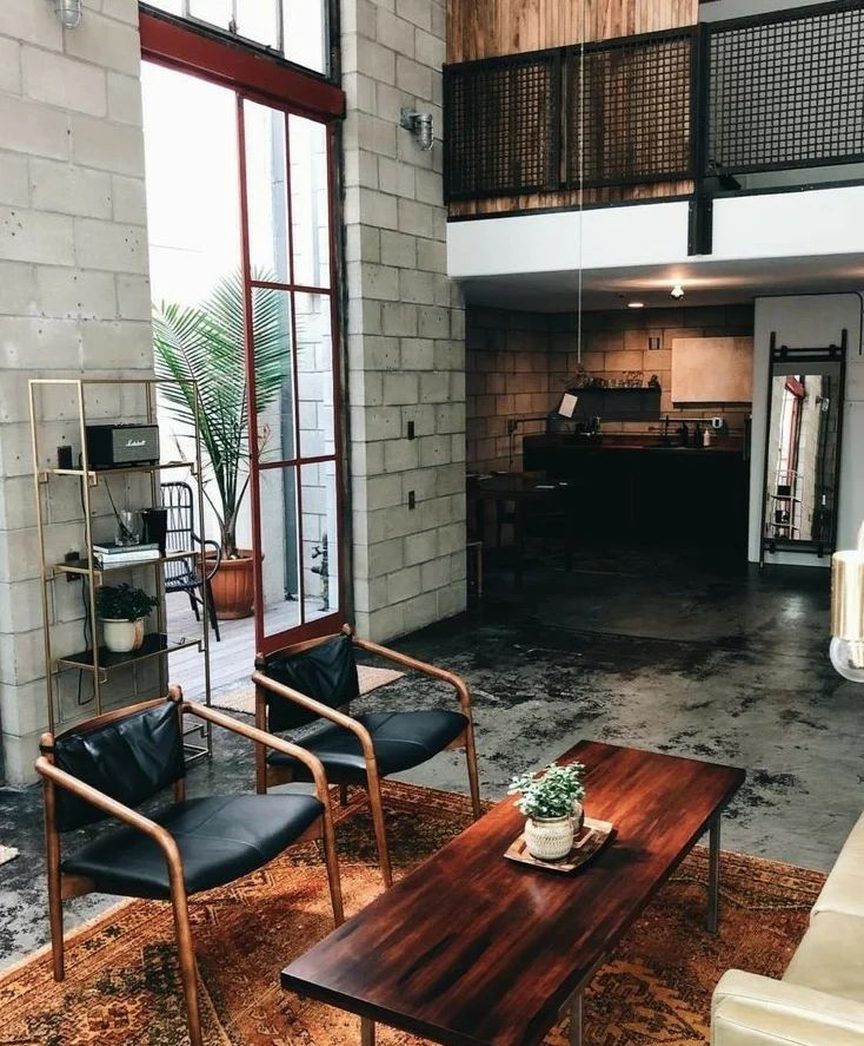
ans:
(232, 659)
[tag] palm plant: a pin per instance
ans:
(205, 343)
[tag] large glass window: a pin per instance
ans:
(295, 29)
(238, 195)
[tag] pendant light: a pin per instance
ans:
(847, 611)
(581, 178)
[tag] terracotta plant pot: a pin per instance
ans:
(233, 587)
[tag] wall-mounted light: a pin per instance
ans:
(68, 12)
(847, 611)
(420, 125)
(677, 292)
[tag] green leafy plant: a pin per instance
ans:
(552, 793)
(123, 603)
(205, 343)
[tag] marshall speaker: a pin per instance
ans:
(115, 446)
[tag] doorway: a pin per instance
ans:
(239, 198)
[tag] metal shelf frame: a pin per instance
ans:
(100, 661)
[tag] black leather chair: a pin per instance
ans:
(109, 765)
(315, 682)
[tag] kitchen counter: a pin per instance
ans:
(641, 490)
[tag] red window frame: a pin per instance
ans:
(270, 81)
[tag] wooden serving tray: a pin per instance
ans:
(593, 837)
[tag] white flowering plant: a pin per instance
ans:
(549, 794)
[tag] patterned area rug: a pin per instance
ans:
(243, 698)
(122, 985)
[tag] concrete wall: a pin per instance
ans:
(74, 297)
(406, 355)
(811, 321)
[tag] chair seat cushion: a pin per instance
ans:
(830, 957)
(401, 740)
(220, 838)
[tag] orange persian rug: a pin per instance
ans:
(123, 989)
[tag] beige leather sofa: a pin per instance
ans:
(820, 999)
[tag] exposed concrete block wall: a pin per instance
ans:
(519, 363)
(74, 297)
(508, 381)
(406, 355)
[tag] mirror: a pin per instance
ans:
(802, 454)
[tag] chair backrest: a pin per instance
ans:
(327, 673)
(129, 759)
(177, 497)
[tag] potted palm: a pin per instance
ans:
(552, 805)
(205, 343)
(122, 610)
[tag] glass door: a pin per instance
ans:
(292, 371)
(239, 195)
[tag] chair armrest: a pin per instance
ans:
(749, 1010)
(261, 737)
(398, 658)
(325, 711)
(217, 548)
(110, 806)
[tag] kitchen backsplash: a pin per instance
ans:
(519, 363)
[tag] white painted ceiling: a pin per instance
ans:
(706, 282)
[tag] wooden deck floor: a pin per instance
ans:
(232, 659)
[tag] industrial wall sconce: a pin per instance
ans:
(677, 292)
(420, 125)
(847, 611)
(68, 12)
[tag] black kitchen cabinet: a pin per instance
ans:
(677, 496)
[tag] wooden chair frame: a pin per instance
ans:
(267, 774)
(63, 886)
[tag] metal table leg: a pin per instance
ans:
(714, 874)
(367, 1032)
(576, 1020)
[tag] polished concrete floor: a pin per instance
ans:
(657, 650)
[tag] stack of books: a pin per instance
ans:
(124, 555)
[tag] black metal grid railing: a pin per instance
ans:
(787, 92)
(503, 130)
(765, 93)
(632, 97)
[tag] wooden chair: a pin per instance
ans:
(108, 765)
(314, 682)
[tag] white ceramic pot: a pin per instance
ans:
(549, 838)
(122, 637)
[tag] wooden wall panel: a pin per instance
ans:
(487, 28)
(484, 28)
(567, 198)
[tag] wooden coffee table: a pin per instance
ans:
(473, 950)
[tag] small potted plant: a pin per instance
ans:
(122, 610)
(552, 804)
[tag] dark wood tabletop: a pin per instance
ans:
(473, 949)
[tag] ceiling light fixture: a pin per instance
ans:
(635, 304)
(68, 13)
(677, 291)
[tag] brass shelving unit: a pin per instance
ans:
(96, 661)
